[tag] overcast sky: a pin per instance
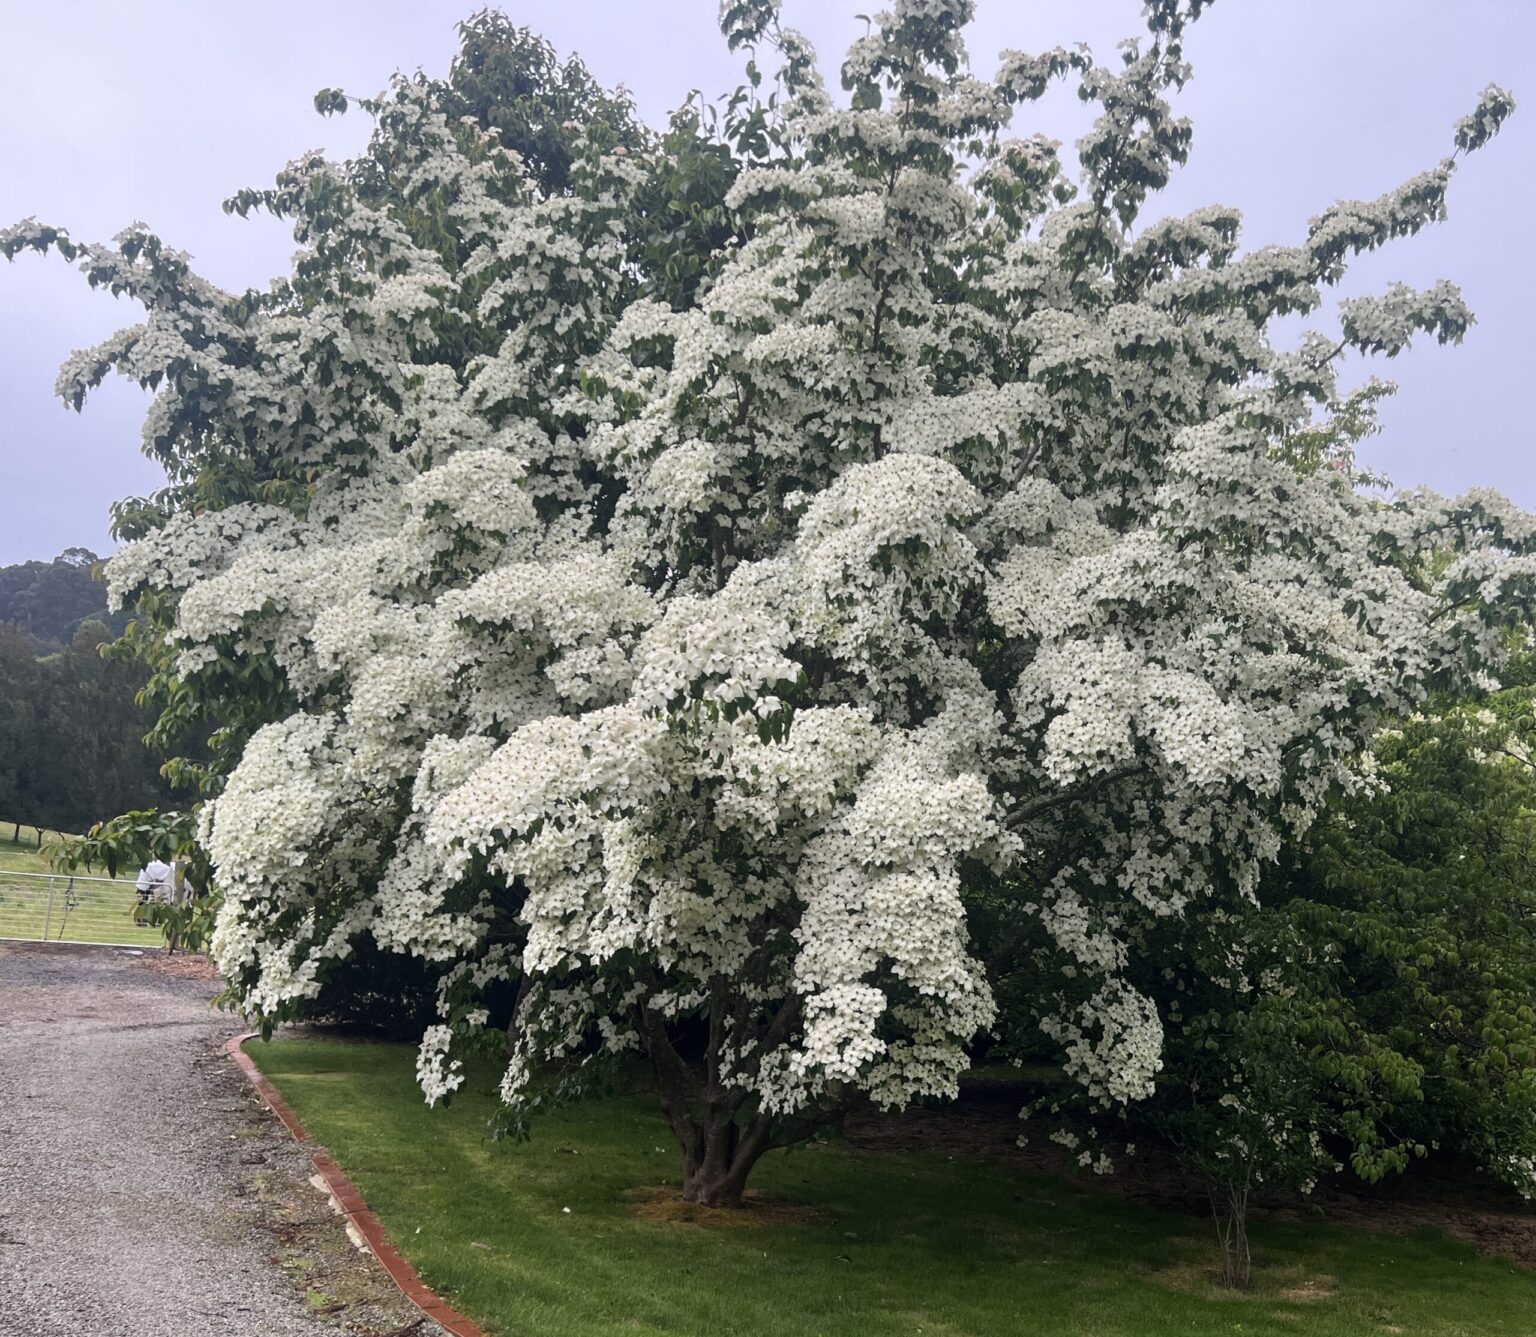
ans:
(156, 112)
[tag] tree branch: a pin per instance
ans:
(1045, 802)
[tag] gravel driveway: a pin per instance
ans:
(144, 1190)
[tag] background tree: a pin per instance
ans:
(1411, 920)
(1374, 1007)
(21, 743)
(72, 733)
(660, 651)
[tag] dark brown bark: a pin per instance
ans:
(720, 1156)
(1024, 811)
(719, 1141)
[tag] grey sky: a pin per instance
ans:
(157, 112)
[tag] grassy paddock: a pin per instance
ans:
(852, 1244)
(99, 913)
(78, 912)
(23, 855)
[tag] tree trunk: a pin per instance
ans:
(719, 1142)
(173, 933)
(1229, 1208)
(717, 1158)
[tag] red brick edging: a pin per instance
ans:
(351, 1201)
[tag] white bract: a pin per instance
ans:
(686, 664)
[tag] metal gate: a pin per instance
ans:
(59, 907)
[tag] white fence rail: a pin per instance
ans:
(57, 907)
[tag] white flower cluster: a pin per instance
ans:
(1113, 1045)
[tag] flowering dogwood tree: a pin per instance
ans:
(679, 653)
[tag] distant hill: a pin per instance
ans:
(51, 600)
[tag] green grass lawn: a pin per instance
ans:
(23, 855)
(84, 911)
(895, 1243)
